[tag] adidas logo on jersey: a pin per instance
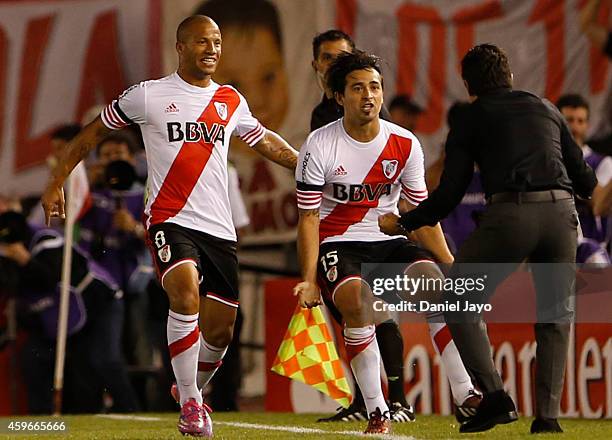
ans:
(340, 171)
(172, 108)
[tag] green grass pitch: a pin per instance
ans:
(271, 426)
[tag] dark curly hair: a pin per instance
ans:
(347, 63)
(485, 68)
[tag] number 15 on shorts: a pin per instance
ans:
(329, 261)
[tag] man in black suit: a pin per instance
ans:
(530, 169)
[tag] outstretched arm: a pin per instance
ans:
(276, 149)
(76, 150)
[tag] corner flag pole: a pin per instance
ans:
(76, 191)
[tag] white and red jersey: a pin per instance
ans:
(352, 182)
(186, 131)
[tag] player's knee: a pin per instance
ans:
(349, 300)
(221, 335)
(432, 281)
(184, 299)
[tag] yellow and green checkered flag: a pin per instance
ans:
(308, 354)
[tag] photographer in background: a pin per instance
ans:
(112, 232)
(32, 260)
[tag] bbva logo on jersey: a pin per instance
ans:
(195, 131)
(360, 192)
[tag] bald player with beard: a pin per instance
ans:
(186, 120)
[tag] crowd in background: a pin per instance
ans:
(117, 337)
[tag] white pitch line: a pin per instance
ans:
(310, 430)
(128, 417)
(262, 427)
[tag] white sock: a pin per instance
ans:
(364, 356)
(458, 377)
(184, 343)
(209, 361)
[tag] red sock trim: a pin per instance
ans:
(353, 349)
(442, 339)
(179, 346)
(209, 366)
(211, 348)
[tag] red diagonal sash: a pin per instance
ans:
(191, 161)
(350, 213)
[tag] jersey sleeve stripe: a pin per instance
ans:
(252, 140)
(313, 200)
(309, 205)
(254, 136)
(257, 137)
(249, 133)
(415, 194)
(301, 186)
(422, 195)
(309, 199)
(105, 119)
(115, 118)
(254, 132)
(108, 120)
(413, 200)
(121, 114)
(412, 190)
(309, 196)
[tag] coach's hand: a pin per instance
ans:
(389, 224)
(53, 202)
(308, 294)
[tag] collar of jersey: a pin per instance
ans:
(185, 85)
(358, 144)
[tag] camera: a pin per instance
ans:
(120, 175)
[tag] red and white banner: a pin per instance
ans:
(63, 56)
(58, 58)
(588, 380)
(423, 43)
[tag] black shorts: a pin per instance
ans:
(341, 261)
(215, 259)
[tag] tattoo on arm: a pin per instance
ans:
(288, 157)
(79, 148)
(275, 148)
(309, 212)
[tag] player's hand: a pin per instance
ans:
(16, 252)
(308, 294)
(389, 224)
(53, 202)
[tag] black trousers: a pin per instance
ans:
(511, 233)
